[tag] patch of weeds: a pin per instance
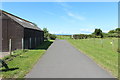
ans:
(15, 54)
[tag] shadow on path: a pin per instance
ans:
(45, 45)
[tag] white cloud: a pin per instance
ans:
(89, 31)
(105, 31)
(75, 16)
(60, 32)
(64, 4)
(68, 10)
(86, 31)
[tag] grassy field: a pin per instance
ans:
(102, 51)
(63, 37)
(22, 64)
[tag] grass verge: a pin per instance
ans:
(101, 51)
(22, 64)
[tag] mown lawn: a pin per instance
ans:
(101, 51)
(63, 37)
(23, 63)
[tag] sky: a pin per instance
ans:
(67, 17)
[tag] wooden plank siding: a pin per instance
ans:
(0, 34)
(20, 35)
(14, 31)
(37, 37)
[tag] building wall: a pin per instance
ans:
(32, 38)
(42, 36)
(5, 42)
(0, 35)
(11, 30)
(15, 32)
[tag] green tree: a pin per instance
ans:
(46, 33)
(34, 24)
(111, 31)
(98, 32)
(101, 35)
(52, 36)
(117, 30)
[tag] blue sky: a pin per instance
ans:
(67, 17)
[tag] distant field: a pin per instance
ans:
(63, 36)
(102, 51)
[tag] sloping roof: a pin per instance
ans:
(23, 22)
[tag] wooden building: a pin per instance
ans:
(18, 33)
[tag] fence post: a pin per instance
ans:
(22, 44)
(72, 36)
(10, 46)
(102, 42)
(113, 44)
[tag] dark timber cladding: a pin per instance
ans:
(18, 33)
(0, 33)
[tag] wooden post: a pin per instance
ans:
(10, 46)
(22, 44)
(72, 36)
(102, 42)
(94, 38)
(113, 44)
(118, 46)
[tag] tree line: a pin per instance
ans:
(98, 33)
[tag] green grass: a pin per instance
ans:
(63, 37)
(21, 65)
(101, 51)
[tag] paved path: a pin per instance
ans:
(62, 60)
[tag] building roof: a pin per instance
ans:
(23, 22)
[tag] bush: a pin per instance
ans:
(52, 36)
(80, 36)
(46, 39)
(118, 50)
